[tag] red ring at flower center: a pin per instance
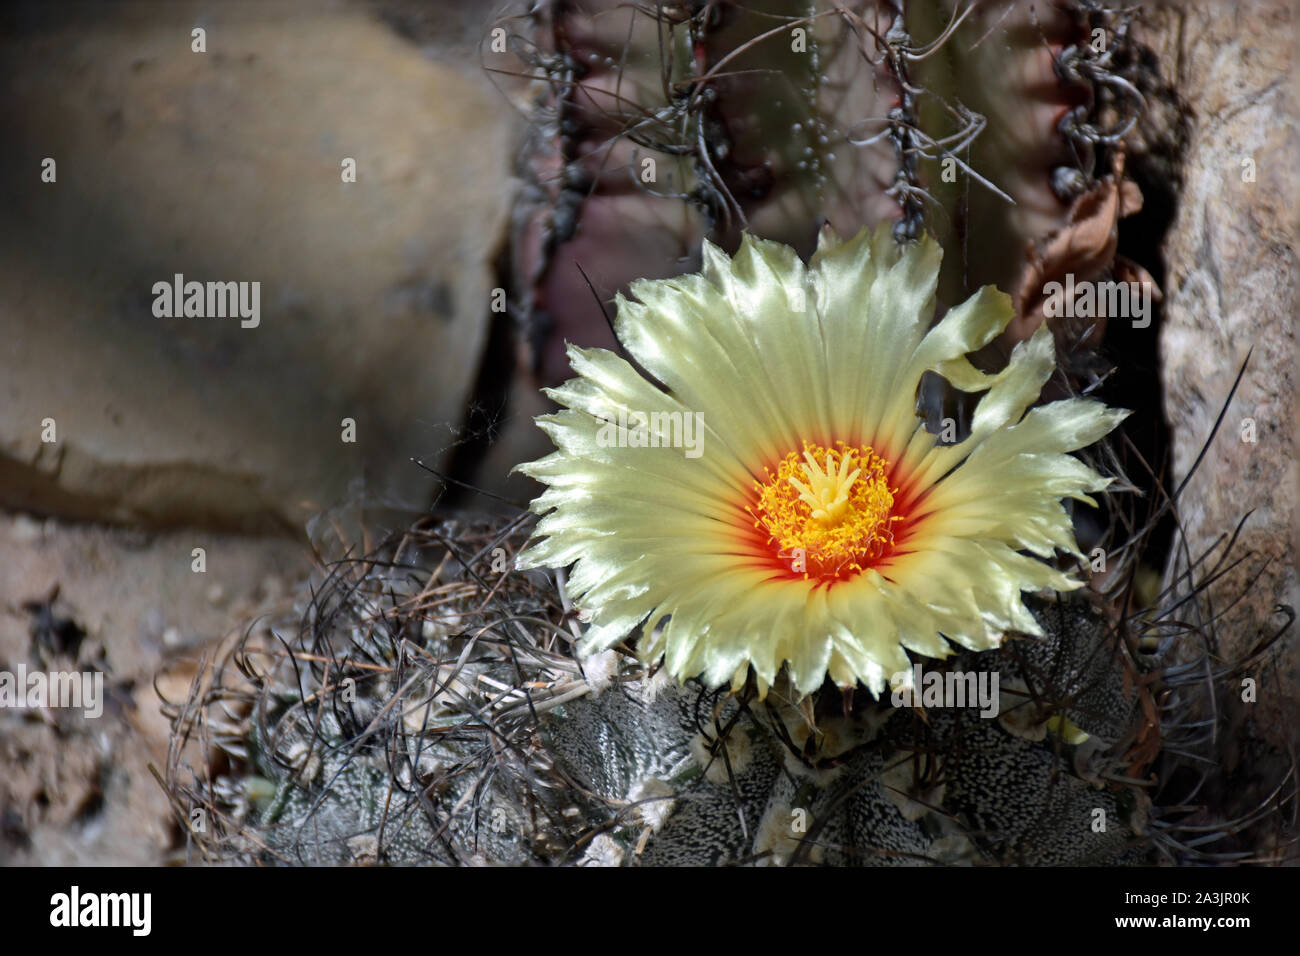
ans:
(827, 512)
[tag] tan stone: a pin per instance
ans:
(1232, 292)
(225, 166)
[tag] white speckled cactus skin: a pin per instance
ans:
(884, 788)
(443, 757)
(469, 734)
(1003, 790)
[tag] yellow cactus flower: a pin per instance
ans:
(774, 501)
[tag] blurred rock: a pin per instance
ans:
(226, 166)
(1233, 291)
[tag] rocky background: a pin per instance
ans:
(177, 434)
(1232, 297)
(1232, 294)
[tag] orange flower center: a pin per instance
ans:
(827, 512)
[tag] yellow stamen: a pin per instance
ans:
(836, 519)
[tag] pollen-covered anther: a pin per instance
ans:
(827, 512)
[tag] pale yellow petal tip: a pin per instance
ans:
(1067, 730)
(829, 240)
(735, 553)
(876, 243)
(524, 561)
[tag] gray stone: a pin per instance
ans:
(1232, 290)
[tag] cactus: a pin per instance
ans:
(430, 711)
(998, 128)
